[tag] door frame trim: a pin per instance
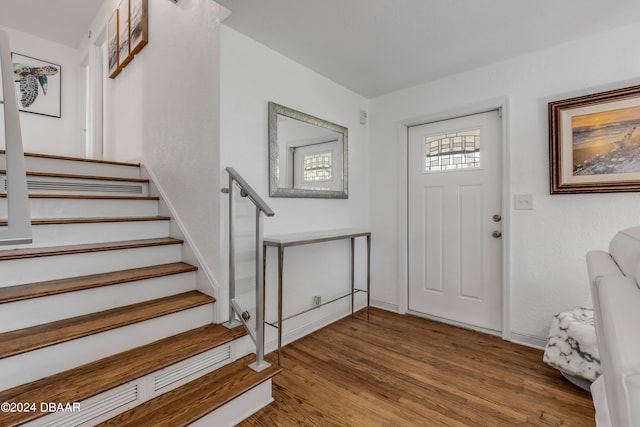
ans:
(501, 104)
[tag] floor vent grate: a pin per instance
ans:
(171, 375)
(38, 185)
(103, 405)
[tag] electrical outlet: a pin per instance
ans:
(523, 201)
(317, 300)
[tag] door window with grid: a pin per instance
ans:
(451, 151)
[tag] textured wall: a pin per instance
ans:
(548, 244)
(180, 114)
(163, 110)
(43, 134)
(253, 75)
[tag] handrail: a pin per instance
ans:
(237, 315)
(251, 193)
(18, 230)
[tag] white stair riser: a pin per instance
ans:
(50, 360)
(23, 314)
(43, 164)
(76, 234)
(99, 407)
(94, 187)
(239, 409)
(21, 271)
(86, 208)
(51, 235)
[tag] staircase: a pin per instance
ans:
(101, 322)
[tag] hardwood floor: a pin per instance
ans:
(394, 370)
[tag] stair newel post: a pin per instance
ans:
(19, 217)
(233, 322)
(257, 334)
(260, 364)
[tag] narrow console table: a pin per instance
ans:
(297, 239)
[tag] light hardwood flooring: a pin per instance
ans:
(393, 370)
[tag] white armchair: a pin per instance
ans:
(614, 278)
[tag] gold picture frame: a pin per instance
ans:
(124, 34)
(113, 65)
(127, 34)
(594, 142)
(139, 24)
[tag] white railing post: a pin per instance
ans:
(18, 230)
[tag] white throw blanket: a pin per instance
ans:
(572, 346)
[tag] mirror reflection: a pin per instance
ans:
(308, 155)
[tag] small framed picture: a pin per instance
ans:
(594, 142)
(124, 47)
(38, 85)
(139, 25)
(113, 46)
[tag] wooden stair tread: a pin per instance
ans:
(97, 377)
(192, 401)
(54, 287)
(96, 220)
(77, 159)
(32, 338)
(85, 197)
(84, 248)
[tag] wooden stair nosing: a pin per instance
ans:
(36, 337)
(12, 254)
(196, 399)
(77, 159)
(92, 220)
(54, 287)
(84, 197)
(89, 380)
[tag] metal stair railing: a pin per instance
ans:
(18, 230)
(237, 314)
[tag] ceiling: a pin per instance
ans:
(374, 47)
(62, 21)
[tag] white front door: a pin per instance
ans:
(455, 248)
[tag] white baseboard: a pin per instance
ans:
(240, 408)
(205, 272)
(383, 305)
(514, 337)
(304, 324)
(528, 340)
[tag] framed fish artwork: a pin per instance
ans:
(594, 142)
(38, 85)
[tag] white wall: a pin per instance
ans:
(163, 109)
(548, 244)
(251, 76)
(180, 118)
(43, 134)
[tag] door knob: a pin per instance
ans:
(496, 218)
(497, 234)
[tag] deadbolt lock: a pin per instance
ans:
(496, 218)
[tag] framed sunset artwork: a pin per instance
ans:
(594, 142)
